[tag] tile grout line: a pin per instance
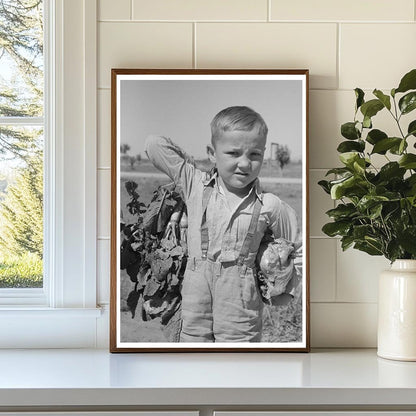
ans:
(269, 11)
(131, 9)
(338, 63)
(194, 62)
(336, 271)
(306, 22)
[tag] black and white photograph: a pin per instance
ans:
(209, 215)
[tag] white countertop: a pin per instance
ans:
(96, 377)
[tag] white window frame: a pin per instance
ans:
(64, 313)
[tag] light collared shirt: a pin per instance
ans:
(227, 227)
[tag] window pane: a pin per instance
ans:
(21, 145)
(21, 58)
(21, 208)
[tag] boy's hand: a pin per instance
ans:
(286, 251)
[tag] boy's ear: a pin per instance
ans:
(211, 153)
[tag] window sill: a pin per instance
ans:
(40, 327)
(331, 379)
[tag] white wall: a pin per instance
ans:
(345, 44)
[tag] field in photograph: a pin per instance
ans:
(281, 324)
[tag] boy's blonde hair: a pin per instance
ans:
(237, 118)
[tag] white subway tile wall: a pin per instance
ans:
(270, 45)
(114, 10)
(355, 10)
(200, 10)
(344, 44)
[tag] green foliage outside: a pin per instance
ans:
(376, 210)
(21, 147)
(21, 271)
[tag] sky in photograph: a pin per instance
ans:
(183, 110)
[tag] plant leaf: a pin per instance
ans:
(371, 108)
(385, 99)
(408, 161)
(359, 94)
(367, 122)
(407, 239)
(338, 190)
(383, 145)
(325, 186)
(375, 136)
(391, 170)
(350, 131)
(348, 158)
(336, 228)
(368, 248)
(408, 82)
(408, 102)
(375, 212)
(411, 130)
(346, 242)
(349, 146)
(338, 171)
(342, 211)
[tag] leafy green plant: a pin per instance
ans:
(376, 210)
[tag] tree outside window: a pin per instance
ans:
(21, 143)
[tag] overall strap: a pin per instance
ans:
(245, 248)
(204, 227)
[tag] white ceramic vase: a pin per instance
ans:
(397, 312)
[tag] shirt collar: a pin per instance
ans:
(212, 180)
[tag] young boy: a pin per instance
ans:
(228, 216)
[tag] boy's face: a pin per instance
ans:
(238, 156)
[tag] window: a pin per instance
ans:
(22, 128)
(63, 312)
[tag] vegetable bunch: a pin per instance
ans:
(154, 252)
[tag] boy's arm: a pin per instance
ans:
(172, 160)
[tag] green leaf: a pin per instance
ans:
(361, 231)
(408, 82)
(349, 146)
(383, 145)
(369, 201)
(369, 248)
(375, 136)
(348, 158)
(408, 102)
(350, 131)
(325, 186)
(359, 94)
(393, 250)
(407, 240)
(346, 242)
(375, 212)
(411, 130)
(398, 149)
(342, 211)
(391, 170)
(336, 228)
(338, 190)
(385, 99)
(338, 171)
(408, 161)
(367, 122)
(371, 108)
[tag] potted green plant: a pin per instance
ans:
(376, 206)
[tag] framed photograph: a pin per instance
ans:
(209, 211)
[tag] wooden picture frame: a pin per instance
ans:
(179, 105)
